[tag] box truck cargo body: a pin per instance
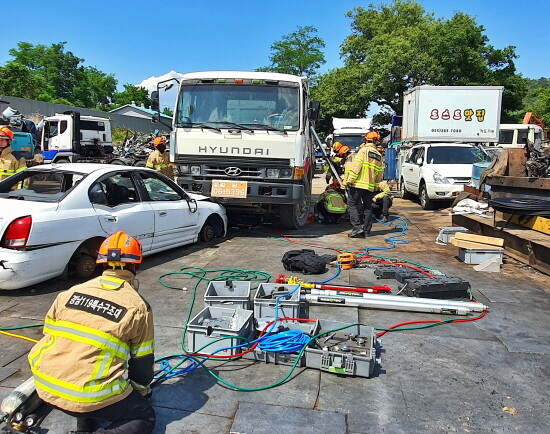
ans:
(452, 114)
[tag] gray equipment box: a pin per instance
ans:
(215, 322)
(309, 328)
(264, 301)
(340, 354)
(446, 233)
(477, 256)
(230, 294)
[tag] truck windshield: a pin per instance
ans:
(249, 106)
(455, 155)
(352, 141)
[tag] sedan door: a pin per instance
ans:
(118, 205)
(176, 215)
(411, 170)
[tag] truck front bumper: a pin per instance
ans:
(443, 191)
(257, 192)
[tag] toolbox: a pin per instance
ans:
(350, 351)
(446, 233)
(265, 299)
(309, 328)
(477, 256)
(213, 323)
(228, 294)
(443, 288)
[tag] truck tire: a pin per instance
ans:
(140, 163)
(295, 216)
(425, 202)
(403, 190)
(117, 161)
(62, 161)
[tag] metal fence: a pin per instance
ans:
(29, 107)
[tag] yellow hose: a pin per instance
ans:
(18, 336)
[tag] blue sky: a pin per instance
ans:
(138, 39)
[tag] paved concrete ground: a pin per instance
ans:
(459, 377)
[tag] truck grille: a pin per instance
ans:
(233, 171)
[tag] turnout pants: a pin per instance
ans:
(133, 415)
(360, 209)
(382, 207)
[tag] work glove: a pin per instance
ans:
(142, 390)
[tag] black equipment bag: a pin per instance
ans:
(306, 261)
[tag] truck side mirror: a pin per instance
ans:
(155, 105)
(155, 118)
(313, 110)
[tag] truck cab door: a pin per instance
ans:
(118, 206)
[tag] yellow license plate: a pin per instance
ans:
(229, 189)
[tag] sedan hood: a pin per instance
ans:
(196, 196)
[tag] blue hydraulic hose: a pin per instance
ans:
(393, 240)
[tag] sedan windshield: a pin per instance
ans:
(455, 155)
(238, 107)
(40, 185)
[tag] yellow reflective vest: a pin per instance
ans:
(365, 170)
(161, 163)
(334, 202)
(90, 333)
(9, 165)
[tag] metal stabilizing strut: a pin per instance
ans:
(394, 302)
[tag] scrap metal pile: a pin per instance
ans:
(135, 149)
(538, 163)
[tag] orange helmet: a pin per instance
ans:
(6, 133)
(336, 146)
(158, 141)
(119, 249)
(344, 150)
(372, 137)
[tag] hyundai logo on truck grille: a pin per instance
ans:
(233, 171)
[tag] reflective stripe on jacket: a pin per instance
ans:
(90, 334)
(161, 163)
(366, 169)
(386, 191)
(9, 165)
(335, 204)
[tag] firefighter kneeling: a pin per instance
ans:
(96, 335)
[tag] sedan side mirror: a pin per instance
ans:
(419, 161)
(192, 204)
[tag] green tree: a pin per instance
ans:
(394, 47)
(50, 73)
(538, 101)
(167, 111)
(298, 53)
(131, 95)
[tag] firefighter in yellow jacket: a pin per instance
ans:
(95, 361)
(9, 165)
(159, 158)
(362, 176)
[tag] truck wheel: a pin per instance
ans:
(425, 202)
(140, 163)
(117, 161)
(84, 266)
(62, 161)
(403, 190)
(295, 216)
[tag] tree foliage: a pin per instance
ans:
(50, 73)
(299, 53)
(394, 47)
(537, 99)
(132, 95)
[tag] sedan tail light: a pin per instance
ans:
(17, 233)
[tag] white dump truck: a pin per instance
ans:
(69, 137)
(245, 140)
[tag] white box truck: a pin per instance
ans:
(245, 140)
(463, 114)
(349, 131)
(442, 123)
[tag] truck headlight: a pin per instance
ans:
(195, 170)
(439, 179)
(184, 169)
(285, 172)
(272, 173)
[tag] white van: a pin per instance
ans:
(437, 171)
